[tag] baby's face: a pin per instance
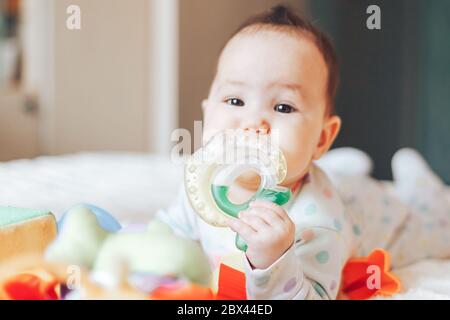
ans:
(273, 81)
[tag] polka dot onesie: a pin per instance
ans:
(332, 225)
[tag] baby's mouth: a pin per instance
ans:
(249, 180)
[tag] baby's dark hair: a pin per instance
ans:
(285, 19)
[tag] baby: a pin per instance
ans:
(279, 73)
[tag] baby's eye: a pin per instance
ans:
(235, 102)
(284, 108)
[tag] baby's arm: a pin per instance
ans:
(180, 216)
(310, 269)
(310, 266)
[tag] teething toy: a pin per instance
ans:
(25, 231)
(211, 170)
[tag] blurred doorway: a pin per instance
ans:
(18, 119)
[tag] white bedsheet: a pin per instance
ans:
(133, 186)
(130, 186)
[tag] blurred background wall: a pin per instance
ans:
(395, 82)
(138, 69)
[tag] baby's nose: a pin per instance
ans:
(262, 127)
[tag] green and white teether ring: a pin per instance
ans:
(210, 172)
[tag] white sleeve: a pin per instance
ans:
(312, 267)
(180, 216)
(306, 271)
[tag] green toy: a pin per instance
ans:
(157, 250)
(212, 170)
(25, 231)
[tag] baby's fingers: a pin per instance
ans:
(242, 228)
(260, 203)
(256, 222)
(269, 217)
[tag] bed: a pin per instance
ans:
(132, 186)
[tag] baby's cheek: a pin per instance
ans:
(298, 157)
(215, 122)
(210, 128)
(297, 166)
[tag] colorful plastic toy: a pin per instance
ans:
(365, 277)
(79, 239)
(211, 171)
(231, 284)
(362, 278)
(25, 231)
(104, 218)
(29, 286)
(182, 291)
(149, 264)
(84, 242)
(157, 251)
(31, 277)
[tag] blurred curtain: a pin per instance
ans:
(395, 82)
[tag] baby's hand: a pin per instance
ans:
(267, 230)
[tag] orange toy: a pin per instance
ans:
(231, 287)
(182, 292)
(359, 279)
(365, 277)
(28, 286)
(231, 284)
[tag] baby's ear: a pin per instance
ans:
(329, 133)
